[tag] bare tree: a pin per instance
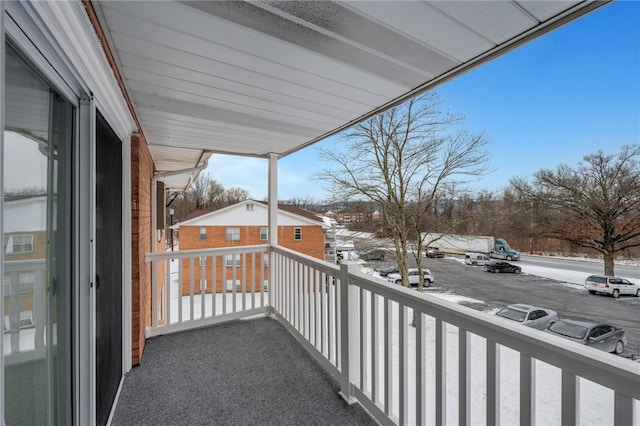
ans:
(205, 193)
(402, 160)
(596, 205)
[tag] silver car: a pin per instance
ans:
(529, 315)
(596, 334)
(615, 286)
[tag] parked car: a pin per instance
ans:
(529, 315)
(434, 253)
(386, 271)
(614, 286)
(475, 259)
(373, 254)
(497, 266)
(414, 277)
(596, 334)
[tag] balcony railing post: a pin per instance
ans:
(348, 315)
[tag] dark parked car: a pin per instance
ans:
(373, 254)
(531, 316)
(434, 253)
(496, 266)
(386, 271)
(596, 334)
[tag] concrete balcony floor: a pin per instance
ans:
(245, 372)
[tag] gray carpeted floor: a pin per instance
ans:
(250, 372)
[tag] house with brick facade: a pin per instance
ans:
(246, 224)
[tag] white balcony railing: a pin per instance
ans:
(411, 358)
(194, 288)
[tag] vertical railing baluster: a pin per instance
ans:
(388, 357)
(308, 302)
(441, 373)
(323, 317)
(421, 377)
(363, 341)
(243, 280)
(464, 374)
(403, 388)
(330, 319)
(234, 281)
(527, 390)
(154, 299)
(623, 413)
(224, 284)
(570, 399)
(375, 346)
(167, 283)
(493, 383)
(191, 286)
(180, 288)
(253, 278)
(203, 285)
(214, 286)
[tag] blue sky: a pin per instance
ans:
(554, 100)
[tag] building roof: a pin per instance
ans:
(232, 215)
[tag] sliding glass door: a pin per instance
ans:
(36, 286)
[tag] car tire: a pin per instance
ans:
(517, 270)
(399, 282)
(495, 271)
(638, 293)
(619, 347)
(594, 292)
(616, 293)
(509, 258)
(474, 263)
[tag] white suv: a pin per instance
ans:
(614, 286)
(414, 277)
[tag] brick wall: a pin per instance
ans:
(312, 244)
(141, 174)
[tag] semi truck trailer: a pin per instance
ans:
(496, 248)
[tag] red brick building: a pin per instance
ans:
(246, 224)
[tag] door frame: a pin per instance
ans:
(84, 78)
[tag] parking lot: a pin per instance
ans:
(492, 291)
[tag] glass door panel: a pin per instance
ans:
(36, 219)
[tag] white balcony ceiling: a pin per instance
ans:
(253, 78)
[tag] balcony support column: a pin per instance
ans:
(272, 223)
(349, 332)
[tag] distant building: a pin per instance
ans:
(245, 224)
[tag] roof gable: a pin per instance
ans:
(253, 213)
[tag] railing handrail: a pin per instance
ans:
(319, 264)
(185, 254)
(583, 361)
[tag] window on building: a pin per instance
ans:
(265, 260)
(297, 234)
(18, 243)
(264, 234)
(203, 234)
(233, 234)
(232, 260)
(250, 207)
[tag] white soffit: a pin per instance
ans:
(253, 78)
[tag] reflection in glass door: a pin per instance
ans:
(36, 216)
